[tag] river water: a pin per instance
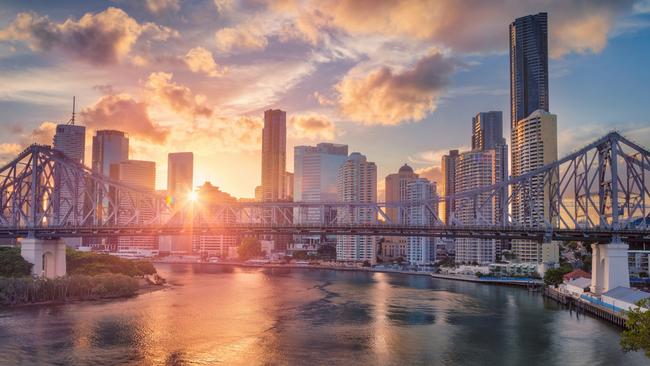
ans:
(234, 316)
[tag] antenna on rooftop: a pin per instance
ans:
(71, 121)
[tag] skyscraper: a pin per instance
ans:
(487, 130)
(274, 146)
(421, 250)
(448, 183)
(356, 182)
(70, 139)
(109, 147)
(214, 245)
(274, 177)
(180, 177)
(528, 66)
(315, 172)
(180, 174)
(141, 175)
(534, 145)
(475, 169)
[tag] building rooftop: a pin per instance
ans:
(626, 294)
(406, 169)
(580, 282)
(578, 273)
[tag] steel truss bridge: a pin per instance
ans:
(596, 193)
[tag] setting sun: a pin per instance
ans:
(193, 196)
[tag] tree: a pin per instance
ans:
(636, 336)
(12, 264)
(249, 248)
(555, 276)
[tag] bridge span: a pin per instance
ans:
(598, 194)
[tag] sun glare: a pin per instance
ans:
(193, 196)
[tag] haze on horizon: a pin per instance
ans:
(398, 81)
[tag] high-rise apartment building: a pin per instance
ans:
(396, 191)
(448, 168)
(141, 175)
(534, 145)
(421, 250)
(476, 169)
(274, 146)
(487, 134)
(180, 174)
(356, 182)
(528, 66)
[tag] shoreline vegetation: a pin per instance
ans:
(91, 276)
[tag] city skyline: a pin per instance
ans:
(344, 62)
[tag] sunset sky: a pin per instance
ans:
(398, 81)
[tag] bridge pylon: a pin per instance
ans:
(47, 256)
(609, 266)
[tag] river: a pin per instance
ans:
(214, 314)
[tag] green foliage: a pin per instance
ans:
(636, 336)
(554, 276)
(12, 264)
(447, 262)
(249, 248)
(299, 255)
(25, 290)
(366, 264)
(89, 263)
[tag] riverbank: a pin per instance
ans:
(581, 306)
(523, 282)
(29, 291)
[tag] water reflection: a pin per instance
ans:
(233, 316)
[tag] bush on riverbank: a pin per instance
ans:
(89, 263)
(12, 264)
(28, 290)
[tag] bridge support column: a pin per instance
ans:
(47, 255)
(609, 266)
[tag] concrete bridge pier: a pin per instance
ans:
(609, 266)
(47, 255)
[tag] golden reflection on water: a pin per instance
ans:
(230, 316)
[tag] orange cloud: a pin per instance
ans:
(122, 112)
(158, 6)
(200, 60)
(432, 173)
(178, 97)
(313, 126)
(101, 38)
(577, 26)
(389, 98)
(244, 37)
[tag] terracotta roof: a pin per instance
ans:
(578, 273)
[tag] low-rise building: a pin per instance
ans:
(513, 269)
(578, 286)
(624, 298)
